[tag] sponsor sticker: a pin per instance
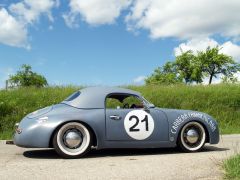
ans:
(183, 117)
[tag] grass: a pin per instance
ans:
(15, 104)
(232, 168)
(220, 101)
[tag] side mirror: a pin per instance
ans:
(149, 106)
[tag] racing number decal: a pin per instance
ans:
(137, 121)
(139, 124)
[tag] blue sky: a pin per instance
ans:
(109, 42)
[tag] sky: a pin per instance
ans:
(110, 42)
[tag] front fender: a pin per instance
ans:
(38, 134)
(34, 134)
(179, 118)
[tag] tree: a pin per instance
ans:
(213, 63)
(229, 79)
(26, 77)
(164, 75)
(188, 67)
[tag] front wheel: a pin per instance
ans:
(192, 137)
(72, 140)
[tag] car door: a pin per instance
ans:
(138, 123)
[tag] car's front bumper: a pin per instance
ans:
(32, 134)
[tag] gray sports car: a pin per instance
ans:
(105, 117)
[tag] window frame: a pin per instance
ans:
(144, 101)
(73, 96)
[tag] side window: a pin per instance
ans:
(123, 101)
(132, 102)
(112, 103)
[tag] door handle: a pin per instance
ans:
(115, 117)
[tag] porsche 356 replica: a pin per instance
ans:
(107, 117)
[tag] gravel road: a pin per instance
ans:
(19, 163)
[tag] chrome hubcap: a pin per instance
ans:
(72, 139)
(192, 136)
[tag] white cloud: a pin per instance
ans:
(12, 32)
(14, 22)
(231, 49)
(139, 80)
(30, 10)
(95, 12)
(185, 19)
(71, 20)
(195, 45)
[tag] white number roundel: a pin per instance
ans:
(139, 124)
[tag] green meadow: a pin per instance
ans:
(220, 101)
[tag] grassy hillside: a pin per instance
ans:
(220, 101)
(15, 104)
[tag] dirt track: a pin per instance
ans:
(18, 163)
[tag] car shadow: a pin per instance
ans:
(51, 154)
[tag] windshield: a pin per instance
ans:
(146, 102)
(73, 96)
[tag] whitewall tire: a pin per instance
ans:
(192, 137)
(72, 140)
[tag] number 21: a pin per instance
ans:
(133, 128)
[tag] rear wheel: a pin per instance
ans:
(192, 137)
(72, 140)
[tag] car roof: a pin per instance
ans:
(94, 97)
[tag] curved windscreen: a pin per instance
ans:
(73, 96)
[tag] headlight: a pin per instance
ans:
(17, 129)
(40, 112)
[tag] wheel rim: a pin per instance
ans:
(193, 136)
(73, 138)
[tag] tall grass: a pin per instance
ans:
(15, 104)
(220, 101)
(232, 168)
